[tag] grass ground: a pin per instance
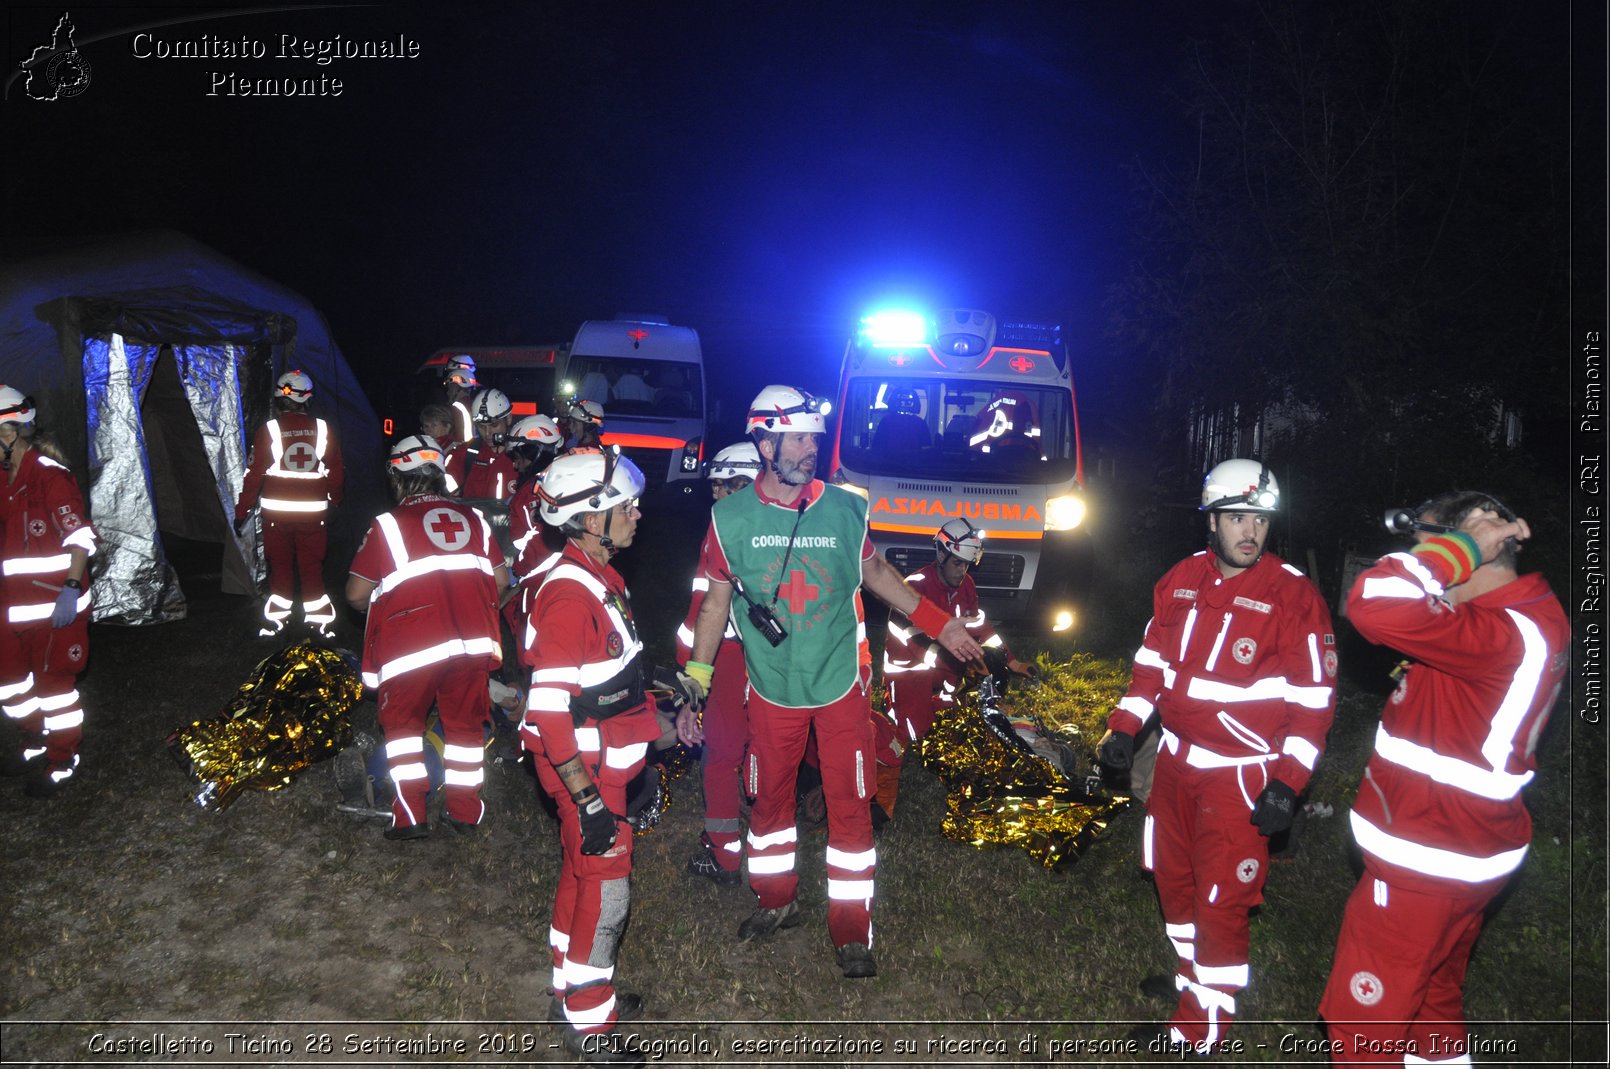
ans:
(132, 917)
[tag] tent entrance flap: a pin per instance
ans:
(165, 456)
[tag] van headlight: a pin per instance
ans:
(1064, 513)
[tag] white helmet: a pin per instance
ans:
(536, 430)
(460, 370)
(294, 386)
(1241, 486)
(489, 405)
(785, 408)
(740, 460)
(586, 482)
(415, 452)
(585, 411)
(959, 538)
(15, 406)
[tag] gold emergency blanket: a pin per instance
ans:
(291, 712)
(1019, 767)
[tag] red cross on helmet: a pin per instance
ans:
(787, 408)
(294, 386)
(15, 406)
(416, 452)
(959, 538)
(586, 482)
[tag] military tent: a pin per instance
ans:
(152, 359)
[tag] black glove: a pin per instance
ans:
(1275, 808)
(598, 828)
(1118, 752)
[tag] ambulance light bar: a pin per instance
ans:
(895, 329)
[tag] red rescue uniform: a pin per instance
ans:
(1439, 816)
(42, 519)
(475, 470)
(587, 697)
(432, 637)
(1241, 672)
(296, 475)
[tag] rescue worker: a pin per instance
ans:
(45, 545)
(588, 724)
(436, 421)
(920, 675)
(458, 388)
(1239, 664)
(584, 425)
(481, 469)
(796, 551)
(295, 475)
(533, 443)
(1439, 817)
(428, 574)
(724, 718)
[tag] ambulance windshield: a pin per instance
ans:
(958, 428)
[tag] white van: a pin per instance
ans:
(961, 414)
(649, 376)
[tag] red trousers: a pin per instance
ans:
(1210, 863)
(39, 670)
(913, 700)
(726, 739)
(295, 552)
(593, 899)
(1397, 984)
(844, 745)
(458, 690)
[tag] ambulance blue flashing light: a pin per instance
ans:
(895, 329)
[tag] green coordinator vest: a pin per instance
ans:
(817, 663)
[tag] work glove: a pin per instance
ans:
(598, 826)
(1275, 808)
(694, 683)
(1117, 751)
(66, 607)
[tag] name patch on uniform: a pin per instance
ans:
(1256, 606)
(1188, 595)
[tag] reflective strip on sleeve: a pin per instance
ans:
(1431, 860)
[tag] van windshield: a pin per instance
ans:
(958, 428)
(628, 387)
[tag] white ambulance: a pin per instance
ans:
(649, 376)
(961, 414)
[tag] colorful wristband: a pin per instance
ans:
(702, 673)
(930, 617)
(1454, 556)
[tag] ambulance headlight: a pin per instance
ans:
(1064, 513)
(1063, 621)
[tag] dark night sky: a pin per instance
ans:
(760, 171)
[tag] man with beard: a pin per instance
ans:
(1239, 666)
(795, 551)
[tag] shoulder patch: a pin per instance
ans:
(1187, 595)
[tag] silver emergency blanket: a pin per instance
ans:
(133, 581)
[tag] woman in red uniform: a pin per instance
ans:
(46, 543)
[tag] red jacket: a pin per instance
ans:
(580, 644)
(296, 466)
(476, 470)
(907, 649)
(1240, 670)
(41, 520)
(1440, 806)
(433, 559)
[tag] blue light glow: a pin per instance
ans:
(895, 329)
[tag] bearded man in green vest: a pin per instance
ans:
(794, 552)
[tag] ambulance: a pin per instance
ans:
(649, 376)
(963, 414)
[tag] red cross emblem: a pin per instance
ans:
(899, 359)
(637, 336)
(1366, 988)
(301, 457)
(1021, 364)
(798, 591)
(447, 529)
